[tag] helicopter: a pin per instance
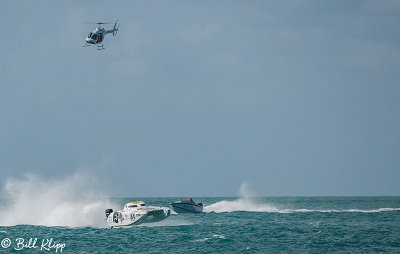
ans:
(97, 36)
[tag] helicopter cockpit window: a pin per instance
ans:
(94, 36)
(89, 35)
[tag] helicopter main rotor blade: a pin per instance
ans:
(98, 23)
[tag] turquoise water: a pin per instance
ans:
(231, 225)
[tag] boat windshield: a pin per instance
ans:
(132, 206)
(143, 205)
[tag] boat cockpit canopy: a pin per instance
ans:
(135, 204)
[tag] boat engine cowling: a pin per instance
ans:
(108, 212)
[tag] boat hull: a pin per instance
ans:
(155, 216)
(186, 208)
(123, 219)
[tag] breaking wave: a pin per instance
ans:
(74, 201)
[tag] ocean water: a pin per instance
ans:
(228, 225)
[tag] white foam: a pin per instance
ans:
(247, 203)
(215, 236)
(241, 204)
(252, 205)
(168, 222)
(74, 201)
(339, 211)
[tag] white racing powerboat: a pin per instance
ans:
(135, 213)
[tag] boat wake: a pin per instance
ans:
(251, 205)
(339, 211)
(170, 222)
(248, 203)
(241, 204)
(75, 201)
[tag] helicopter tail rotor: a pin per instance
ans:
(115, 28)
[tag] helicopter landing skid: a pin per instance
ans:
(100, 47)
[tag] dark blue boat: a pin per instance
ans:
(187, 206)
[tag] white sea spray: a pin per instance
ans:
(73, 201)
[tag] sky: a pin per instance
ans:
(194, 98)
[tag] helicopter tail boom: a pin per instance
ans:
(114, 30)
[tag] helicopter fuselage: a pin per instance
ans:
(97, 36)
